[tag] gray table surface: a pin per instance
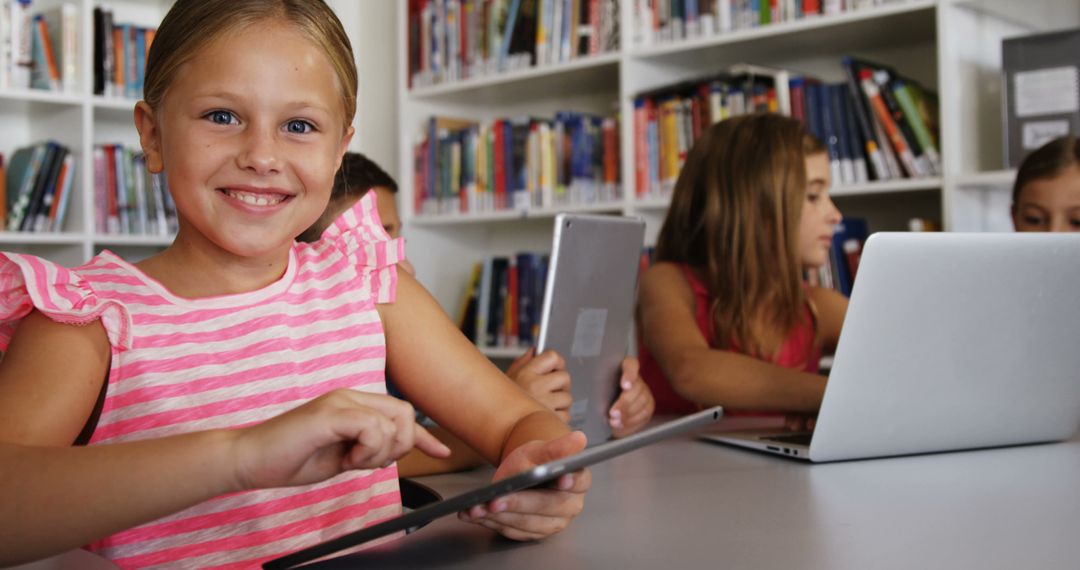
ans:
(686, 503)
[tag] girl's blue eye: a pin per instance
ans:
(221, 117)
(298, 127)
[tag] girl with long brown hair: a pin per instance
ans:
(724, 315)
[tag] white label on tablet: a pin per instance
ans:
(589, 333)
(1047, 91)
(577, 413)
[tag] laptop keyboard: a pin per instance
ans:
(796, 438)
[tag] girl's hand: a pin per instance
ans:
(338, 431)
(635, 405)
(535, 513)
(544, 377)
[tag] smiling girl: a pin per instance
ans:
(724, 316)
(248, 106)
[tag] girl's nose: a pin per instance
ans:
(260, 154)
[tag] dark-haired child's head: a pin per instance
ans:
(1046, 195)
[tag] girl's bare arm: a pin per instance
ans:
(706, 375)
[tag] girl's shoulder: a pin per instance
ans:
(358, 236)
(673, 277)
(64, 295)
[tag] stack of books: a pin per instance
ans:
(451, 40)
(120, 52)
(668, 21)
(877, 125)
(35, 188)
(39, 49)
(128, 199)
(469, 167)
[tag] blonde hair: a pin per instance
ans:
(192, 24)
(734, 218)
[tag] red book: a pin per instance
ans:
(611, 151)
(811, 7)
(641, 147)
(113, 221)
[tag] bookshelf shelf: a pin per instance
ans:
(113, 103)
(132, 240)
(887, 187)
(514, 215)
(652, 203)
(900, 23)
(566, 73)
(992, 180)
(39, 96)
(45, 238)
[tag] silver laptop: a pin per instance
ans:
(588, 309)
(951, 341)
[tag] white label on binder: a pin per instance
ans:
(1047, 91)
(589, 333)
(1038, 133)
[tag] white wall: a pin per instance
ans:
(372, 27)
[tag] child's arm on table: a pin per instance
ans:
(442, 373)
(59, 498)
(706, 375)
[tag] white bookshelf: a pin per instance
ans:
(952, 46)
(80, 120)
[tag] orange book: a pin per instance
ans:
(50, 57)
(150, 33)
(118, 60)
(61, 179)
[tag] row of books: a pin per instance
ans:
(666, 21)
(450, 40)
(877, 125)
(39, 49)
(128, 199)
(845, 253)
(36, 184)
(515, 164)
(503, 299)
(120, 52)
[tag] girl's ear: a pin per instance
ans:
(149, 136)
(345, 140)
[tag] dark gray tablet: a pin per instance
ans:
(588, 310)
(533, 477)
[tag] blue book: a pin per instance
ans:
(848, 229)
(140, 61)
(508, 31)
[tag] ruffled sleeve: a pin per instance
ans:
(28, 282)
(359, 233)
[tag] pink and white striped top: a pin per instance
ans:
(181, 365)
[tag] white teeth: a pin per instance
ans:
(255, 199)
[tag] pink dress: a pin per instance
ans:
(181, 365)
(798, 352)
